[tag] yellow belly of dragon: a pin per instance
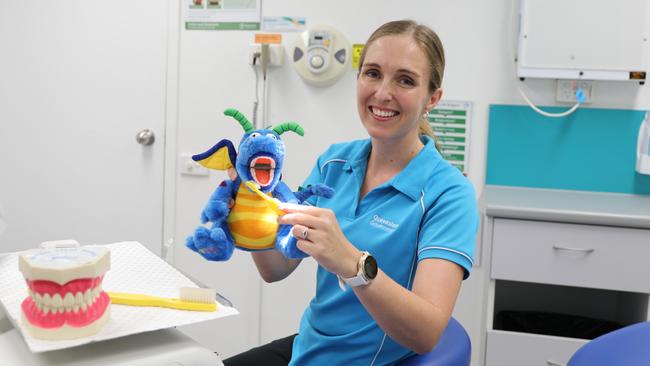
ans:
(252, 223)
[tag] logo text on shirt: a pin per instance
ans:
(382, 223)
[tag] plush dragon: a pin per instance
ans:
(243, 209)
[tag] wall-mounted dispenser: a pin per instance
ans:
(583, 40)
(643, 147)
(321, 55)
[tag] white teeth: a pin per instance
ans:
(57, 301)
(47, 300)
(382, 113)
(70, 302)
(79, 298)
(88, 296)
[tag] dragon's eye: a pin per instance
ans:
(272, 136)
(255, 134)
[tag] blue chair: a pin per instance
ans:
(623, 347)
(453, 349)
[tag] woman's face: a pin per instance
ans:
(393, 88)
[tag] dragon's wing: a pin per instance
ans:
(220, 157)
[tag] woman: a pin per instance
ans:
(399, 233)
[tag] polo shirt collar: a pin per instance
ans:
(413, 178)
(359, 158)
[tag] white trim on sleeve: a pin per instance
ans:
(449, 250)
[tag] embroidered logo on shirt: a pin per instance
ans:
(382, 223)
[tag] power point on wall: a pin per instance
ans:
(572, 91)
(187, 166)
(276, 54)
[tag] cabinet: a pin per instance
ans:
(563, 267)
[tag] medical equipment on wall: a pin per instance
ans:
(578, 42)
(321, 55)
(583, 40)
(643, 147)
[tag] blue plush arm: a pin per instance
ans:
(318, 189)
(217, 208)
(284, 194)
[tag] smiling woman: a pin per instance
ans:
(399, 234)
(401, 44)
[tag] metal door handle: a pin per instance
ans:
(145, 137)
(582, 250)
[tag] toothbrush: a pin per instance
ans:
(190, 298)
(274, 203)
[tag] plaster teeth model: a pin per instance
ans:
(66, 300)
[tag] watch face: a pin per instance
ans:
(370, 267)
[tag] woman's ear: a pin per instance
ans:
(434, 99)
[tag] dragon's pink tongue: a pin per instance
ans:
(262, 176)
(263, 173)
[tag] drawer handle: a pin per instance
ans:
(553, 363)
(582, 250)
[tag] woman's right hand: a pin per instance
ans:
(319, 235)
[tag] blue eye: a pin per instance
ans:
(407, 82)
(372, 73)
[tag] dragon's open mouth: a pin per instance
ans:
(262, 170)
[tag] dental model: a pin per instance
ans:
(66, 300)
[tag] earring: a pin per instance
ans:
(425, 114)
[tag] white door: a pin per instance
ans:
(78, 80)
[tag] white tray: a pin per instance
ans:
(133, 269)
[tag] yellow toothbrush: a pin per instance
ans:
(274, 203)
(190, 298)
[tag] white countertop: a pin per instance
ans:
(597, 208)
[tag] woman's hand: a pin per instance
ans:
(319, 235)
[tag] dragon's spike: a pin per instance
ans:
(289, 126)
(243, 121)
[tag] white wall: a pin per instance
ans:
(214, 75)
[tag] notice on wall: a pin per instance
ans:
(222, 14)
(450, 121)
(283, 24)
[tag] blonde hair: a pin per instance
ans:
(429, 43)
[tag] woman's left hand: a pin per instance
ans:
(319, 235)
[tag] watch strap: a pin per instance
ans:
(358, 280)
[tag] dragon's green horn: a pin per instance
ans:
(289, 126)
(243, 121)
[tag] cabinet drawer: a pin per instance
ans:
(517, 349)
(572, 255)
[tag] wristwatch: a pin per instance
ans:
(366, 272)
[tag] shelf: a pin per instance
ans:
(563, 310)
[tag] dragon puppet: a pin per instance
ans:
(243, 209)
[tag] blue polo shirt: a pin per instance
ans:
(427, 211)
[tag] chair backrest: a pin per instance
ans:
(629, 346)
(453, 349)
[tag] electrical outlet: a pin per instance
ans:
(276, 54)
(566, 90)
(187, 166)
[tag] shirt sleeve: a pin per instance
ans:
(449, 228)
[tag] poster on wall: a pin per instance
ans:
(450, 121)
(222, 14)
